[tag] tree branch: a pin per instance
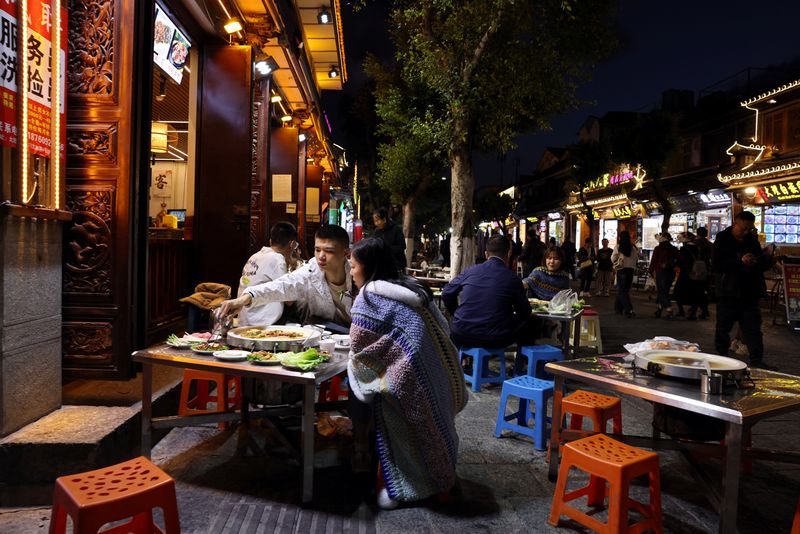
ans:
(481, 48)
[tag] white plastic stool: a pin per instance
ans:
(590, 330)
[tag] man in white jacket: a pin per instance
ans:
(266, 265)
(322, 287)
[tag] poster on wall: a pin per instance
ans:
(791, 284)
(281, 187)
(40, 81)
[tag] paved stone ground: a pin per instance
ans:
(503, 482)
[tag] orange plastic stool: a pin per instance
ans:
(331, 390)
(130, 489)
(796, 522)
(599, 408)
(199, 404)
(608, 460)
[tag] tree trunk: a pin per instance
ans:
(589, 216)
(664, 202)
(462, 242)
(409, 227)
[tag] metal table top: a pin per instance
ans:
(771, 394)
(163, 354)
(559, 316)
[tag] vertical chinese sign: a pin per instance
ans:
(791, 290)
(29, 113)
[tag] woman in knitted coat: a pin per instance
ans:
(545, 281)
(403, 363)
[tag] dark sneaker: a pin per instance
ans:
(761, 364)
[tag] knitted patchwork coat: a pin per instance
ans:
(402, 361)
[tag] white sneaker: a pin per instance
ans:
(385, 502)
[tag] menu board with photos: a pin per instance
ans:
(170, 46)
(782, 224)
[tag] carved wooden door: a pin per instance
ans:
(97, 250)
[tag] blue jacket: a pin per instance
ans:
(486, 300)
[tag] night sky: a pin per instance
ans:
(678, 44)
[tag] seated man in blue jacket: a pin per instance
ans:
(488, 302)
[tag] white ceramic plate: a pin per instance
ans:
(231, 355)
(342, 341)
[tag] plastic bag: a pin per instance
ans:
(664, 343)
(562, 301)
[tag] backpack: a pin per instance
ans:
(699, 271)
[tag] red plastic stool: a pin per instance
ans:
(127, 490)
(796, 522)
(199, 404)
(331, 390)
(599, 408)
(608, 460)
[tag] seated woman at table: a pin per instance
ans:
(545, 281)
(403, 363)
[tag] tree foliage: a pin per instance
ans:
(650, 142)
(500, 68)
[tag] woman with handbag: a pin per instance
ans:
(624, 260)
(586, 256)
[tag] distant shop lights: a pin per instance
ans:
(324, 16)
(233, 25)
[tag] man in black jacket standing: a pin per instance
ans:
(739, 268)
(392, 235)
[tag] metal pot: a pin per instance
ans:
(311, 337)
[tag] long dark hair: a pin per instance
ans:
(375, 257)
(625, 245)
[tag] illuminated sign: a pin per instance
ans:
(610, 180)
(623, 212)
(554, 215)
(789, 190)
(714, 197)
(170, 46)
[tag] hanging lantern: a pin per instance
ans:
(158, 137)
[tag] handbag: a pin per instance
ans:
(585, 264)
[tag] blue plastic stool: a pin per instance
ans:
(480, 366)
(535, 355)
(528, 389)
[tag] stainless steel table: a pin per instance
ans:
(566, 320)
(773, 394)
(186, 359)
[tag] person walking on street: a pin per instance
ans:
(624, 260)
(662, 268)
(688, 285)
(739, 266)
(704, 250)
(392, 235)
(586, 256)
(605, 269)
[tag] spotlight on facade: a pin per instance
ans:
(333, 72)
(286, 118)
(275, 99)
(233, 25)
(324, 16)
(264, 66)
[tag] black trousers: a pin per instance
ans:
(525, 334)
(748, 314)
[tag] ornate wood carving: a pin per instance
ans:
(90, 342)
(92, 144)
(256, 213)
(90, 70)
(87, 251)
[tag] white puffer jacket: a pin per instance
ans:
(306, 285)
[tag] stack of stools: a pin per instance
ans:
(608, 460)
(222, 397)
(127, 490)
(589, 324)
(599, 408)
(480, 366)
(528, 390)
(538, 356)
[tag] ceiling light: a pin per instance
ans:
(275, 99)
(286, 118)
(324, 16)
(301, 137)
(772, 101)
(233, 25)
(334, 72)
(444, 177)
(264, 65)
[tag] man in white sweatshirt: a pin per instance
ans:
(266, 265)
(321, 287)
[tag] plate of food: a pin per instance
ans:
(209, 347)
(231, 355)
(272, 338)
(302, 361)
(185, 342)
(263, 357)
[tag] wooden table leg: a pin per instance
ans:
(555, 429)
(730, 478)
(147, 408)
(307, 442)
